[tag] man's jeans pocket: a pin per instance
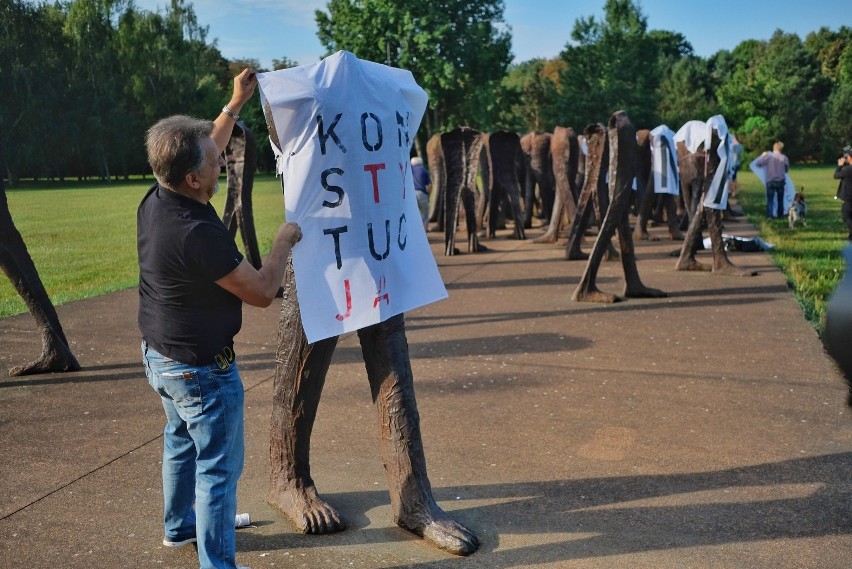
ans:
(174, 380)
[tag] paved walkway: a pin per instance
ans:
(706, 430)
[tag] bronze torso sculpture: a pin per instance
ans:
(503, 151)
(299, 378)
(644, 185)
(594, 193)
(241, 163)
(461, 151)
(696, 174)
(564, 151)
(538, 172)
(300, 373)
(622, 148)
(650, 201)
(435, 159)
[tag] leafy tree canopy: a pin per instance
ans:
(776, 81)
(457, 50)
(615, 64)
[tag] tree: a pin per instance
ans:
(108, 71)
(833, 50)
(283, 63)
(453, 48)
(835, 118)
(777, 90)
(532, 84)
(615, 64)
(94, 101)
(167, 67)
(32, 55)
(687, 92)
(829, 47)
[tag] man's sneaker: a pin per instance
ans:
(178, 542)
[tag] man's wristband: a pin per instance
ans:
(230, 113)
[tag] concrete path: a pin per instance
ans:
(705, 430)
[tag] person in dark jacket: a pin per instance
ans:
(844, 190)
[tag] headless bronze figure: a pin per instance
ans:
(696, 175)
(622, 146)
(564, 151)
(16, 263)
(461, 148)
(300, 373)
(299, 378)
(241, 163)
(503, 153)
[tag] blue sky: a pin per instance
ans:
(267, 29)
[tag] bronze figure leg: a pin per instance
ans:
(385, 350)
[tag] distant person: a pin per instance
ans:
(192, 283)
(776, 165)
(844, 190)
(737, 154)
(422, 188)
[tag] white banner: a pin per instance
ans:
(664, 161)
(717, 193)
(346, 127)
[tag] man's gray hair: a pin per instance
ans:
(174, 148)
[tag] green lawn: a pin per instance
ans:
(809, 256)
(82, 236)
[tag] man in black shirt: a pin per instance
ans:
(192, 283)
(844, 190)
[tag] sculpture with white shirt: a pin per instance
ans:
(704, 152)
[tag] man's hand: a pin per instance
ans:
(223, 126)
(290, 233)
(841, 161)
(258, 288)
(244, 85)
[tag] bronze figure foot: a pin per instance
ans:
(594, 295)
(692, 265)
(642, 291)
(644, 236)
(546, 238)
(577, 256)
(50, 361)
(439, 529)
(308, 512)
(731, 270)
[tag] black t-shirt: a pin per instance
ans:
(183, 249)
(844, 189)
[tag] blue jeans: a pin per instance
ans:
(203, 450)
(775, 189)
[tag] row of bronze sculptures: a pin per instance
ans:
(575, 191)
(571, 186)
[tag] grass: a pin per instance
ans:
(82, 236)
(809, 256)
